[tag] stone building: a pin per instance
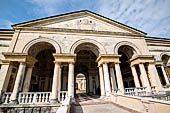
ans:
(42, 58)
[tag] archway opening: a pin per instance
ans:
(80, 83)
(86, 64)
(166, 66)
(126, 53)
(42, 74)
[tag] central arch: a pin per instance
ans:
(85, 64)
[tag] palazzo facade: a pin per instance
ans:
(41, 58)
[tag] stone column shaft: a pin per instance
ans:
(20, 74)
(59, 79)
(155, 77)
(5, 73)
(119, 78)
(54, 93)
(27, 79)
(113, 79)
(135, 76)
(144, 77)
(102, 87)
(71, 80)
(165, 75)
(106, 79)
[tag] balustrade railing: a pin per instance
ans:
(153, 88)
(138, 91)
(34, 97)
(6, 97)
(62, 95)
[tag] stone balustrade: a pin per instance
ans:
(33, 97)
(62, 95)
(138, 91)
(6, 97)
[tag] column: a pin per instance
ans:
(154, 76)
(113, 79)
(5, 73)
(20, 74)
(59, 79)
(106, 79)
(71, 80)
(144, 77)
(54, 92)
(119, 78)
(27, 79)
(102, 87)
(135, 76)
(165, 75)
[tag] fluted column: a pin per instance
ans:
(54, 93)
(155, 77)
(20, 74)
(113, 79)
(165, 75)
(144, 77)
(135, 76)
(106, 79)
(102, 87)
(71, 80)
(27, 79)
(119, 78)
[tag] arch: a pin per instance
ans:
(126, 43)
(164, 53)
(91, 41)
(37, 40)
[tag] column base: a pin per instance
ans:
(54, 101)
(102, 96)
(14, 101)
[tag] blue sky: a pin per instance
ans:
(150, 16)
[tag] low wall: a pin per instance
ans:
(144, 105)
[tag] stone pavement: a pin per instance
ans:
(89, 104)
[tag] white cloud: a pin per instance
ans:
(45, 7)
(151, 16)
(5, 24)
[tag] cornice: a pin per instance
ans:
(45, 29)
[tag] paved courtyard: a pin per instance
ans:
(99, 108)
(89, 104)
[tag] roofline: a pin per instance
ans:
(79, 12)
(6, 30)
(157, 37)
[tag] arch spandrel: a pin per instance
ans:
(38, 40)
